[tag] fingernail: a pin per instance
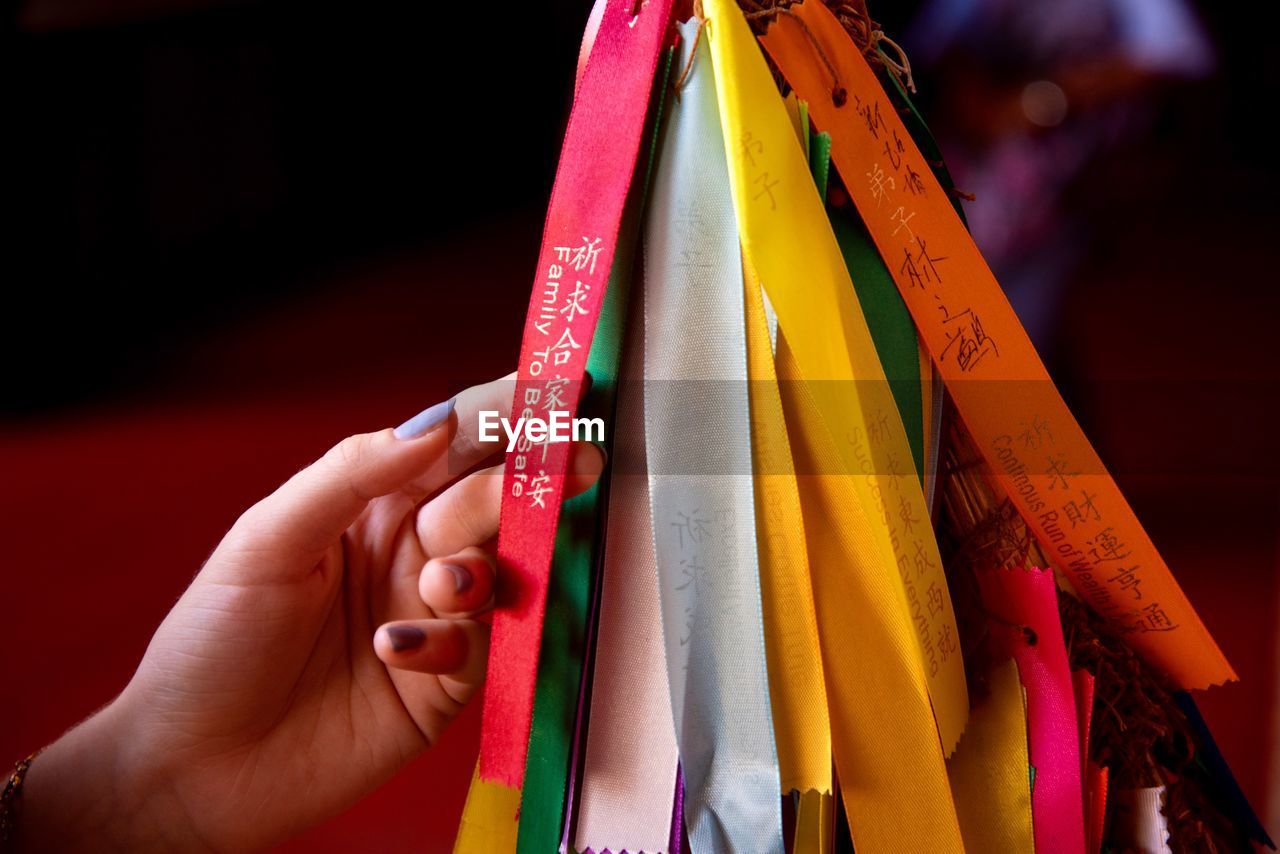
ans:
(404, 638)
(425, 420)
(461, 577)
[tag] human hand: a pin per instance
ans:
(329, 640)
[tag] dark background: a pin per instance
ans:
(238, 231)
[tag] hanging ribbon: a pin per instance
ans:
(627, 781)
(1082, 685)
(1024, 625)
(546, 798)
(489, 818)
(699, 455)
(797, 693)
(1034, 446)
(1139, 824)
(989, 770)
(592, 180)
(788, 240)
(892, 331)
(892, 777)
(1096, 796)
(798, 696)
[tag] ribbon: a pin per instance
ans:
(630, 768)
(892, 331)
(1024, 625)
(700, 488)
(1139, 824)
(788, 240)
(989, 770)
(1034, 446)
(596, 166)
(489, 818)
(546, 799)
(801, 726)
(1082, 686)
(892, 777)
(797, 694)
(1096, 797)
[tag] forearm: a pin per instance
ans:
(91, 791)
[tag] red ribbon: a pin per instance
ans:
(593, 178)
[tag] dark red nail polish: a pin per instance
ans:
(404, 638)
(462, 579)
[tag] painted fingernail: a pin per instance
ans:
(404, 638)
(461, 577)
(425, 420)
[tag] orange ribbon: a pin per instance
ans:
(1037, 452)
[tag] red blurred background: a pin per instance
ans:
(242, 230)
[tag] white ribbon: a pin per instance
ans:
(699, 457)
(1139, 823)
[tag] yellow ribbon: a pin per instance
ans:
(989, 770)
(788, 241)
(892, 775)
(490, 819)
(802, 729)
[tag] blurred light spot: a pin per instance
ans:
(1044, 103)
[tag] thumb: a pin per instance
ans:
(305, 516)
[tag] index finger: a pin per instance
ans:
(466, 451)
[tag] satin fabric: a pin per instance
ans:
(1036, 449)
(630, 765)
(700, 486)
(593, 179)
(1024, 625)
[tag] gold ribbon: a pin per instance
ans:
(802, 728)
(989, 770)
(490, 819)
(892, 775)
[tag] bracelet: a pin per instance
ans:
(9, 797)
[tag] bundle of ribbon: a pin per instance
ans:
(856, 575)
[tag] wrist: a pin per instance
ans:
(94, 789)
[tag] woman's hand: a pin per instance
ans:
(329, 639)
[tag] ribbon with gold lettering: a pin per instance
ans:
(1037, 451)
(596, 167)
(802, 727)
(788, 240)
(877, 669)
